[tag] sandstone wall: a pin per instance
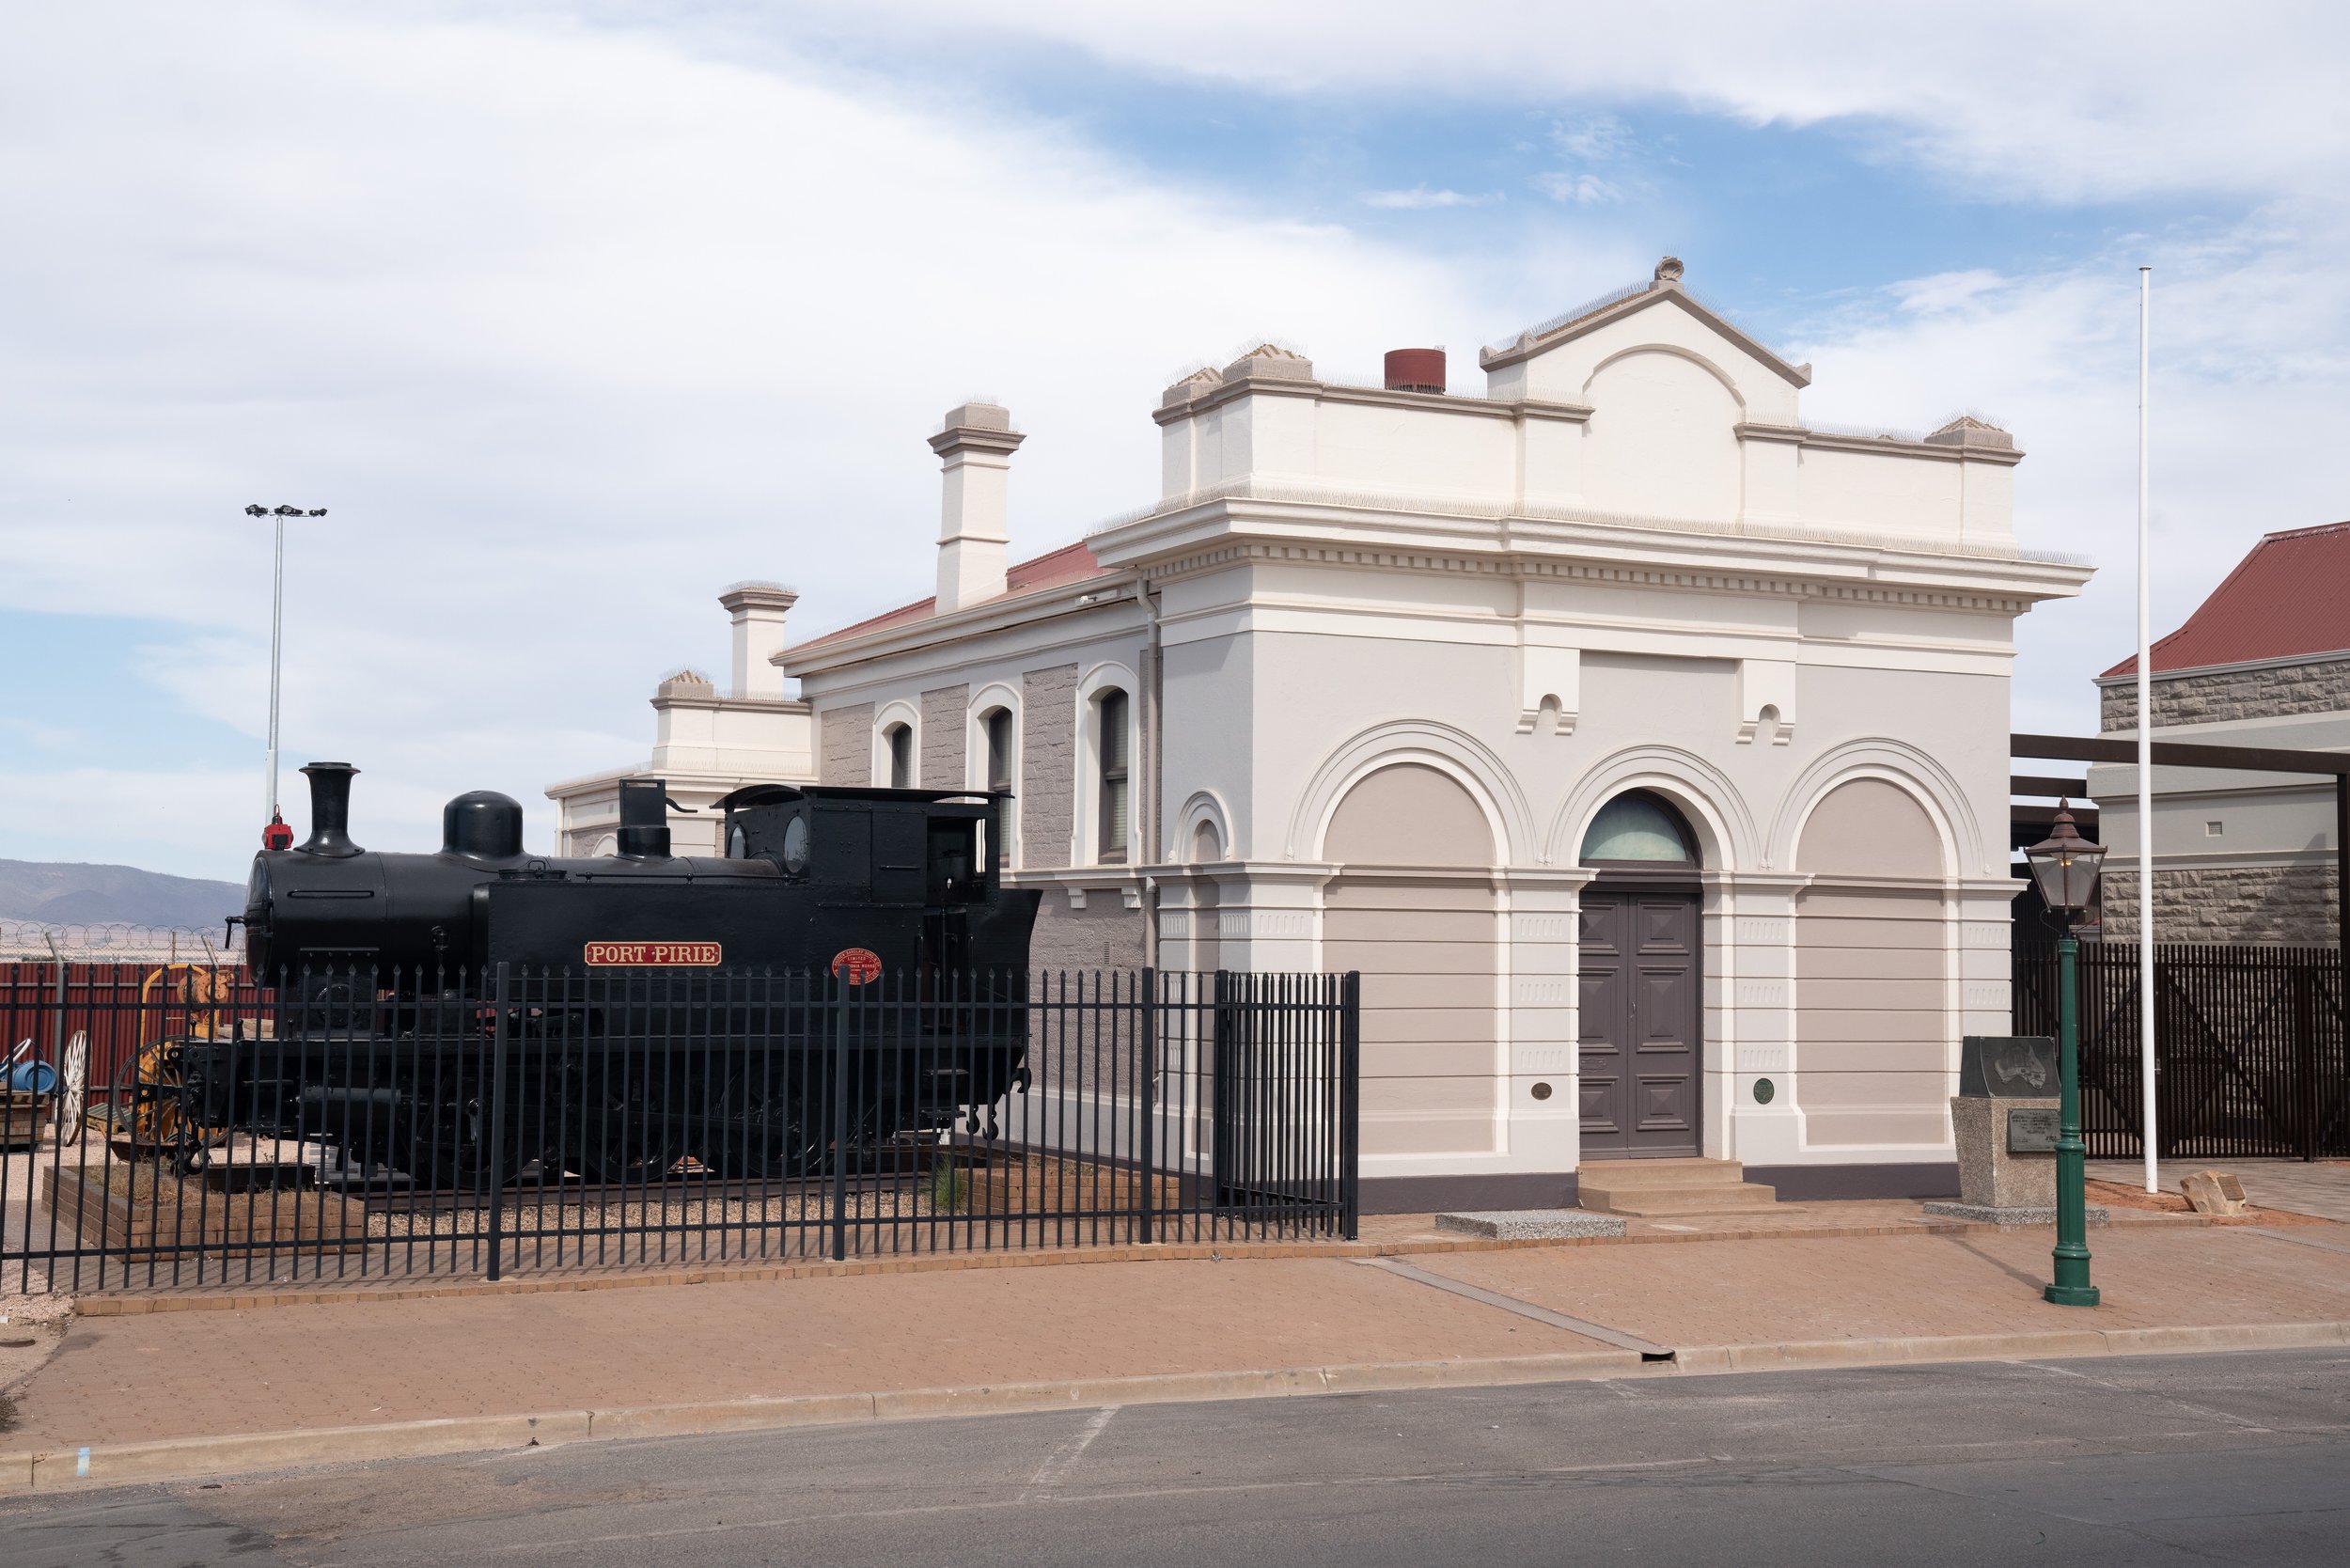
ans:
(2292, 905)
(2231, 694)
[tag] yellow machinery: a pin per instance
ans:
(180, 1002)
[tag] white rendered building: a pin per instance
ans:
(706, 744)
(1646, 749)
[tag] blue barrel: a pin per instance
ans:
(36, 1078)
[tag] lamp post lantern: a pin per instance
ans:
(275, 833)
(2065, 867)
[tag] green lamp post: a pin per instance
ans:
(2064, 865)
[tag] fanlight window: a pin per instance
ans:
(1637, 828)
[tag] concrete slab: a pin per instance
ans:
(1531, 1224)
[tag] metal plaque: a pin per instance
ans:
(635, 955)
(2032, 1129)
(2008, 1067)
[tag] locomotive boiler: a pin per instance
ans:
(851, 970)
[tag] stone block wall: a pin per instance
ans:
(1048, 766)
(2231, 694)
(2297, 905)
(845, 753)
(1105, 934)
(943, 711)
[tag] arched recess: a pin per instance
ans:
(1703, 794)
(1915, 771)
(1662, 438)
(1204, 814)
(1414, 909)
(889, 717)
(1873, 968)
(1426, 743)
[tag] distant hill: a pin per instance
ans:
(68, 894)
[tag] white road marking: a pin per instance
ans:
(1058, 1463)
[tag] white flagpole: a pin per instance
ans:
(2145, 761)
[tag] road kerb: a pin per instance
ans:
(187, 1458)
(101, 1465)
(723, 1416)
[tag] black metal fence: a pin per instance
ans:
(338, 1125)
(2248, 1058)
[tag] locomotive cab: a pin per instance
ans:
(903, 847)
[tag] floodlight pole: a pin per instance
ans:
(2151, 1136)
(277, 626)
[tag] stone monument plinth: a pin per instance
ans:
(2004, 1120)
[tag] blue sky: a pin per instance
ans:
(573, 314)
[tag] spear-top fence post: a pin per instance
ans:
(494, 1187)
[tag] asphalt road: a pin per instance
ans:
(2239, 1458)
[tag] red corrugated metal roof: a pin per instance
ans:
(2290, 596)
(1070, 564)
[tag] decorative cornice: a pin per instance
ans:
(756, 596)
(1211, 394)
(2006, 456)
(716, 704)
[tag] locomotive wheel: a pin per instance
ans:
(626, 1129)
(620, 1149)
(779, 1143)
(452, 1150)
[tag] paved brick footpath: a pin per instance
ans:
(284, 1368)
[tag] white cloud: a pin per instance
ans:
(2242, 411)
(2069, 102)
(567, 328)
(1592, 138)
(1582, 190)
(1420, 196)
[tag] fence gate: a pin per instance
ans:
(2248, 1048)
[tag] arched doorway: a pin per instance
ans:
(1640, 1000)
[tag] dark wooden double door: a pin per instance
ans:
(1640, 1016)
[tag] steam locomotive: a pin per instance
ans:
(852, 969)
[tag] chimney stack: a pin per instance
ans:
(758, 609)
(973, 531)
(1415, 370)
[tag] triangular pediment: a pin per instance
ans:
(1662, 292)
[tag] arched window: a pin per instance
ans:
(1114, 805)
(1638, 829)
(901, 739)
(997, 727)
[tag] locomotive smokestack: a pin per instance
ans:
(644, 819)
(330, 811)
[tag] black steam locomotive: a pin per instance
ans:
(853, 970)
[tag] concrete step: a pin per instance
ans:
(1654, 1202)
(1623, 1174)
